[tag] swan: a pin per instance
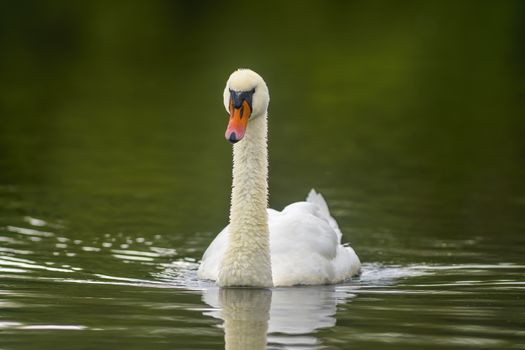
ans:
(262, 247)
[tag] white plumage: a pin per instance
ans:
(261, 247)
(305, 247)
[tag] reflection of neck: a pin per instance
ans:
(247, 258)
(245, 313)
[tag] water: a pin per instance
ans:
(115, 177)
(133, 292)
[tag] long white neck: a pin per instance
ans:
(247, 258)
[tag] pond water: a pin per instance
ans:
(115, 175)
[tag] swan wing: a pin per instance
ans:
(305, 243)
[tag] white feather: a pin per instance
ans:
(305, 248)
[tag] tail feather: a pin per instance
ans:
(318, 199)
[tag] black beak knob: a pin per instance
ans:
(233, 138)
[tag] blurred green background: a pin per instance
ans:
(408, 116)
(111, 113)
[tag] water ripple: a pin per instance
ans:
(29, 231)
(294, 315)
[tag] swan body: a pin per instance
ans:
(261, 247)
(305, 247)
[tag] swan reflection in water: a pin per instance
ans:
(254, 318)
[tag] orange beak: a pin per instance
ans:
(238, 121)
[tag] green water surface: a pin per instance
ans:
(115, 175)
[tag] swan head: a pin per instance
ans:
(246, 97)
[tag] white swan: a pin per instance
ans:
(262, 247)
